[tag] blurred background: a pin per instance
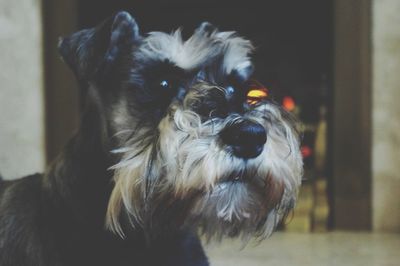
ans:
(334, 63)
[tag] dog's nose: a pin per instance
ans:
(246, 138)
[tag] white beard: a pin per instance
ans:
(233, 197)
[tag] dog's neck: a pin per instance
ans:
(81, 171)
(80, 179)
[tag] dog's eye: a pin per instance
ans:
(165, 84)
(168, 85)
(256, 93)
(230, 91)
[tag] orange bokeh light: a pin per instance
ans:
(254, 96)
(288, 103)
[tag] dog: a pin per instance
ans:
(176, 140)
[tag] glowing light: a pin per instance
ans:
(306, 151)
(288, 103)
(256, 95)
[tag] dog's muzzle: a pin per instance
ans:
(245, 138)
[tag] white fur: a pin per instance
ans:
(197, 50)
(190, 158)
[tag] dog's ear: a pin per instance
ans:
(87, 51)
(206, 28)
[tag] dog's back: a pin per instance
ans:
(38, 228)
(19, 219)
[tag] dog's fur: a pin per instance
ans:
(151, 164)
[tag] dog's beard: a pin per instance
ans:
(186, 165)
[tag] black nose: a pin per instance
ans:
(246, 138)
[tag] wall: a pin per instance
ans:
(386, 115)
(22, 146)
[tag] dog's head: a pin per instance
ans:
(198, 142)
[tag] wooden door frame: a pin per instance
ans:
(62, 96)
(351, 127)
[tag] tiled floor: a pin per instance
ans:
(286, 249)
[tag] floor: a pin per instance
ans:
(286, 249)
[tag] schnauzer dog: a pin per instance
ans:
(175, 140)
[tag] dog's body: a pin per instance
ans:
(57, 219)
(168, 121)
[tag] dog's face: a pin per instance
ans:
(193, 147)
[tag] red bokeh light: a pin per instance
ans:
(306, 151)
(288, 103)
